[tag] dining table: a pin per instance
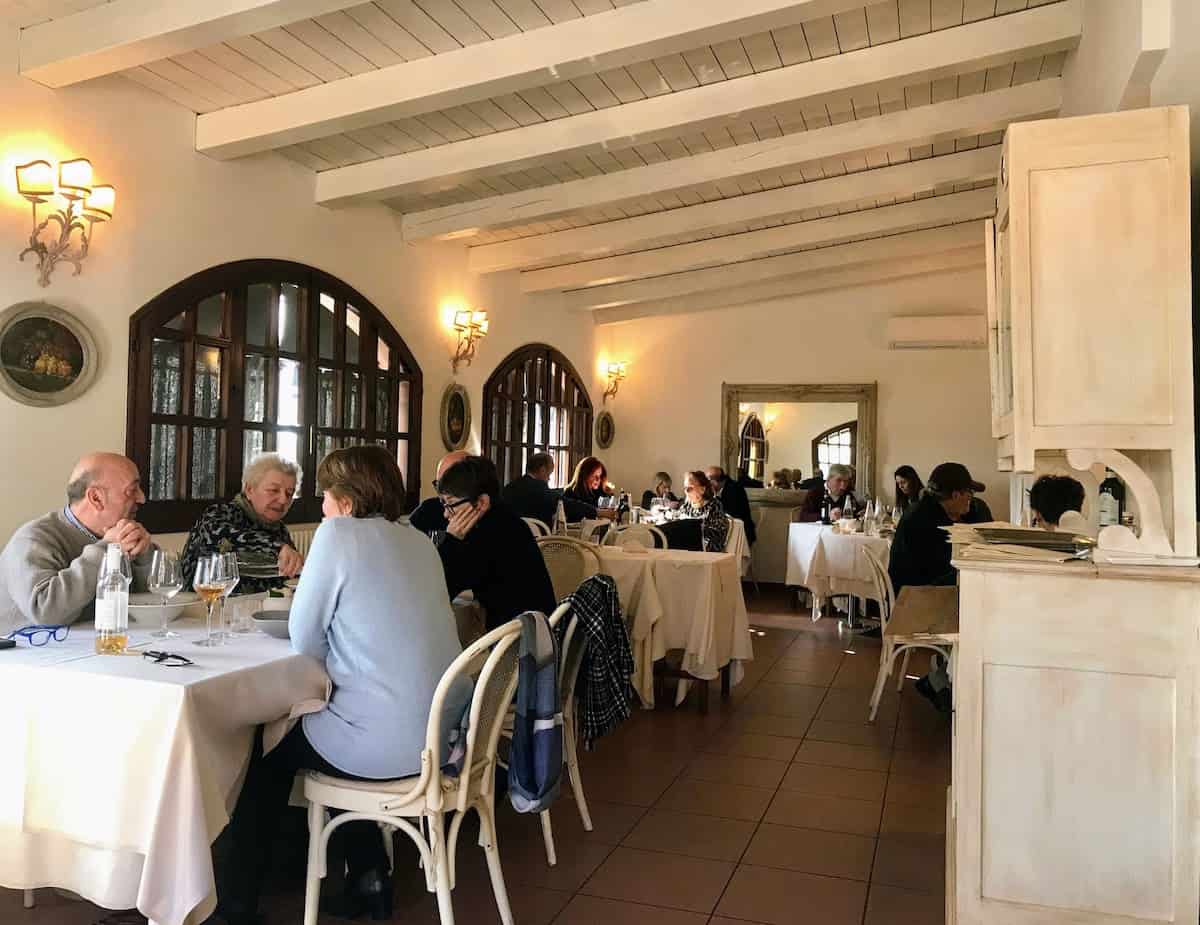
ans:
(827, 561)
(119, 772)
(685, 600)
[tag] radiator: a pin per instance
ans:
(302, 537)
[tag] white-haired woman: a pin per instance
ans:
(251, 524)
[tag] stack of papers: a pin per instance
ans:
(1014, 535)
(1007, 552)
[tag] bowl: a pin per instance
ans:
(272, 622)
(148, 608)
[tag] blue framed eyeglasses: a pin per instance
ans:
(38, 635)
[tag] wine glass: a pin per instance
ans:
(165, 580)
(231, 580)
(213, 580)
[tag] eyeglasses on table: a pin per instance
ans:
(170, 659)
(38, 634)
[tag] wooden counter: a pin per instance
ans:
(1075, 791)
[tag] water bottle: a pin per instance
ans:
(560, 520)
(112, 604)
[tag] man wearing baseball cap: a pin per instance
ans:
(921, 548)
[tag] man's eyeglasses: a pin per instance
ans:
(39, 634)
(170, 659)
(449, 506)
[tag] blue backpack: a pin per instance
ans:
(535, 761)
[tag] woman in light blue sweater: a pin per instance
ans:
(372, 606)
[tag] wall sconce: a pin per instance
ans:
(471, 327)
(616, 374)
(81, 201)
(770, 416)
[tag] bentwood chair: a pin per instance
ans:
(900, 635)
(647, 536)
(594, 531)
(538, 527)
(569, 562)
(418, 805)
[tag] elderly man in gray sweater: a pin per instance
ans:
(49, 568)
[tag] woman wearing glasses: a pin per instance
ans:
(372, 607)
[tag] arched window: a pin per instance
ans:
(536, 401)
(753, 457)
(262, 355)
(836, 445)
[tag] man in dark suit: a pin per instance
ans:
(531, 494)
(733, 499)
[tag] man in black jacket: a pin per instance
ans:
(531, 494)
(733, 499)
(487, 548)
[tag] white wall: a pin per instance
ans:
(933, 404)
(179, 212)
(796, 425)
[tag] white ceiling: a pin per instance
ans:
(290, 58)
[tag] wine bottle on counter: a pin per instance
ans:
(1112, 499)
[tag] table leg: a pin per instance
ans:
(726, 674)
(703, 696)
(28, 899)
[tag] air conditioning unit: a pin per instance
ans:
(937, 332)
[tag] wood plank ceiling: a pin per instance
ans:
(359, 39)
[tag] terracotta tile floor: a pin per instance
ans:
(781, 805)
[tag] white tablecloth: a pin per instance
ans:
(118, 773)
(675, 599)
(828, 563)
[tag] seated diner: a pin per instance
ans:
(372, 607)
(530, 495)
(908, 489)
(661, 492)
(251, 525)
(833, 499)
(49, 567)
(701, 503)
(1056, 503)
(588, 483)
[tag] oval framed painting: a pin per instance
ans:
(455, 417)
(605, 430)
(47, 356)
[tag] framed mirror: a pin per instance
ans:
(799, 423)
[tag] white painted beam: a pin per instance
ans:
(904, 246)
(640, 32)
(645, 231)
(939, 210)
(781, 294)
(126, 33)
(922, 125)
(975, 46)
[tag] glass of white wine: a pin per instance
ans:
(165, 580)
(212, 582)
(231, 580)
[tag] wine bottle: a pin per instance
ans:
(112, 604)
(826, 508)
(1112, 499)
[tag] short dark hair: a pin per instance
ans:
(470, 478)
(1053, 495)
(539, 461)
(721, 474)
(366, 476)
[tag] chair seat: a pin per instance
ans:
(909, 623)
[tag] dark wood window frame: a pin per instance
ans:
(754, 434)
(820, 438)
(533, 376)
(150, 323)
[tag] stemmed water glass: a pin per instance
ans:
(216, 577)
(165, 580)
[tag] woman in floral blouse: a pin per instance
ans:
(251, 525)
(701, 503)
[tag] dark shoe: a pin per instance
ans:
(925, 689)
(367, 893)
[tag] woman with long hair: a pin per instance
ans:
(701, 503)
(908, 489)
(588, 481)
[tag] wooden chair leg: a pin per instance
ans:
(548, 838)
(885, 669)
(903, 671)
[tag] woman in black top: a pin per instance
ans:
(908, 489)
(588, 482)
(702, 504)
(661, 490)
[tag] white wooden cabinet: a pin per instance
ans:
(1089, 298)
(1076, 733)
